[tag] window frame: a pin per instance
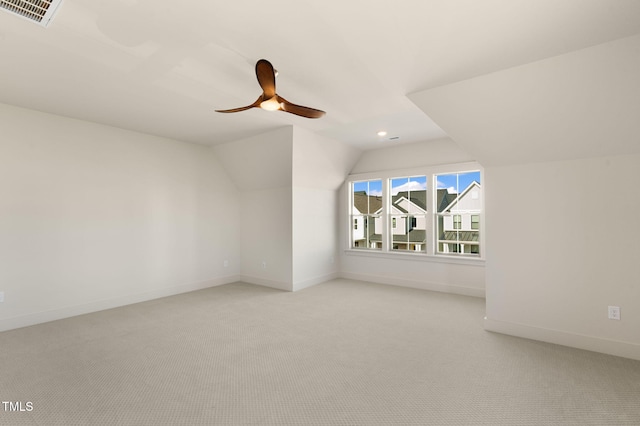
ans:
(431, 252)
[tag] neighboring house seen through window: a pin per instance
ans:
(408, 209)
(456, 213)
(366, 207)
(433, 213)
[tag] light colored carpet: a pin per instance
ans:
(340, 353)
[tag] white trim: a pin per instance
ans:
(470, 166)
(51, 12)
(280, 285)
(421, 285)
(301, 285)
(580, 341)
(457, 259)
(101, 305)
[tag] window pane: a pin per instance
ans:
(409, 194)
(475, 221)
(451, 185)
(367, 197)
(408, 208)
(357, 232)
(374, 231)
(363, 232)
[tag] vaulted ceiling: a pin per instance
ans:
(162, 67)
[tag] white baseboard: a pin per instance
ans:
(280, 285)
(589, 343)
(313, 281)
(422, 285)
(100, 305)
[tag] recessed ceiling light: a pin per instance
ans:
(382, 133)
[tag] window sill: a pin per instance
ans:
(418, 257)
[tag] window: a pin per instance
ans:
(457, 221)
(408, 208)
(366, 210)
(436, 212)
(475, 221)
(459, 207)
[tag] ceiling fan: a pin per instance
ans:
(270, 100)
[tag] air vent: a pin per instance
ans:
(39, 11)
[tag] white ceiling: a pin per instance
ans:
(582, 104)
(162, 67)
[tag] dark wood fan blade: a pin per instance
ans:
(236, 109)
(300, 110)
(266, 77)
(244, 108)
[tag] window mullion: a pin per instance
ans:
(431, 216)
(386, 203)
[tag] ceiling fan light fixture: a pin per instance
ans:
(271, 104)
(269, 99)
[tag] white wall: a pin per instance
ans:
(550, 135)
(260, 166)
(554, 266)
(266, 237)
(315, 236)
(453, 277)
(289, 179)
(406, 156)
(426, 273)
(319, 167)
(93, 217)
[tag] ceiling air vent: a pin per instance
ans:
(39, 11)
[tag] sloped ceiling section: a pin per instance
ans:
(163, 66)
(577, 105)
(285, 157)
(320, 162)
(259, 162)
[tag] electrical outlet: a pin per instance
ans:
(614, 312)
(1, 296)
(225, 263)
